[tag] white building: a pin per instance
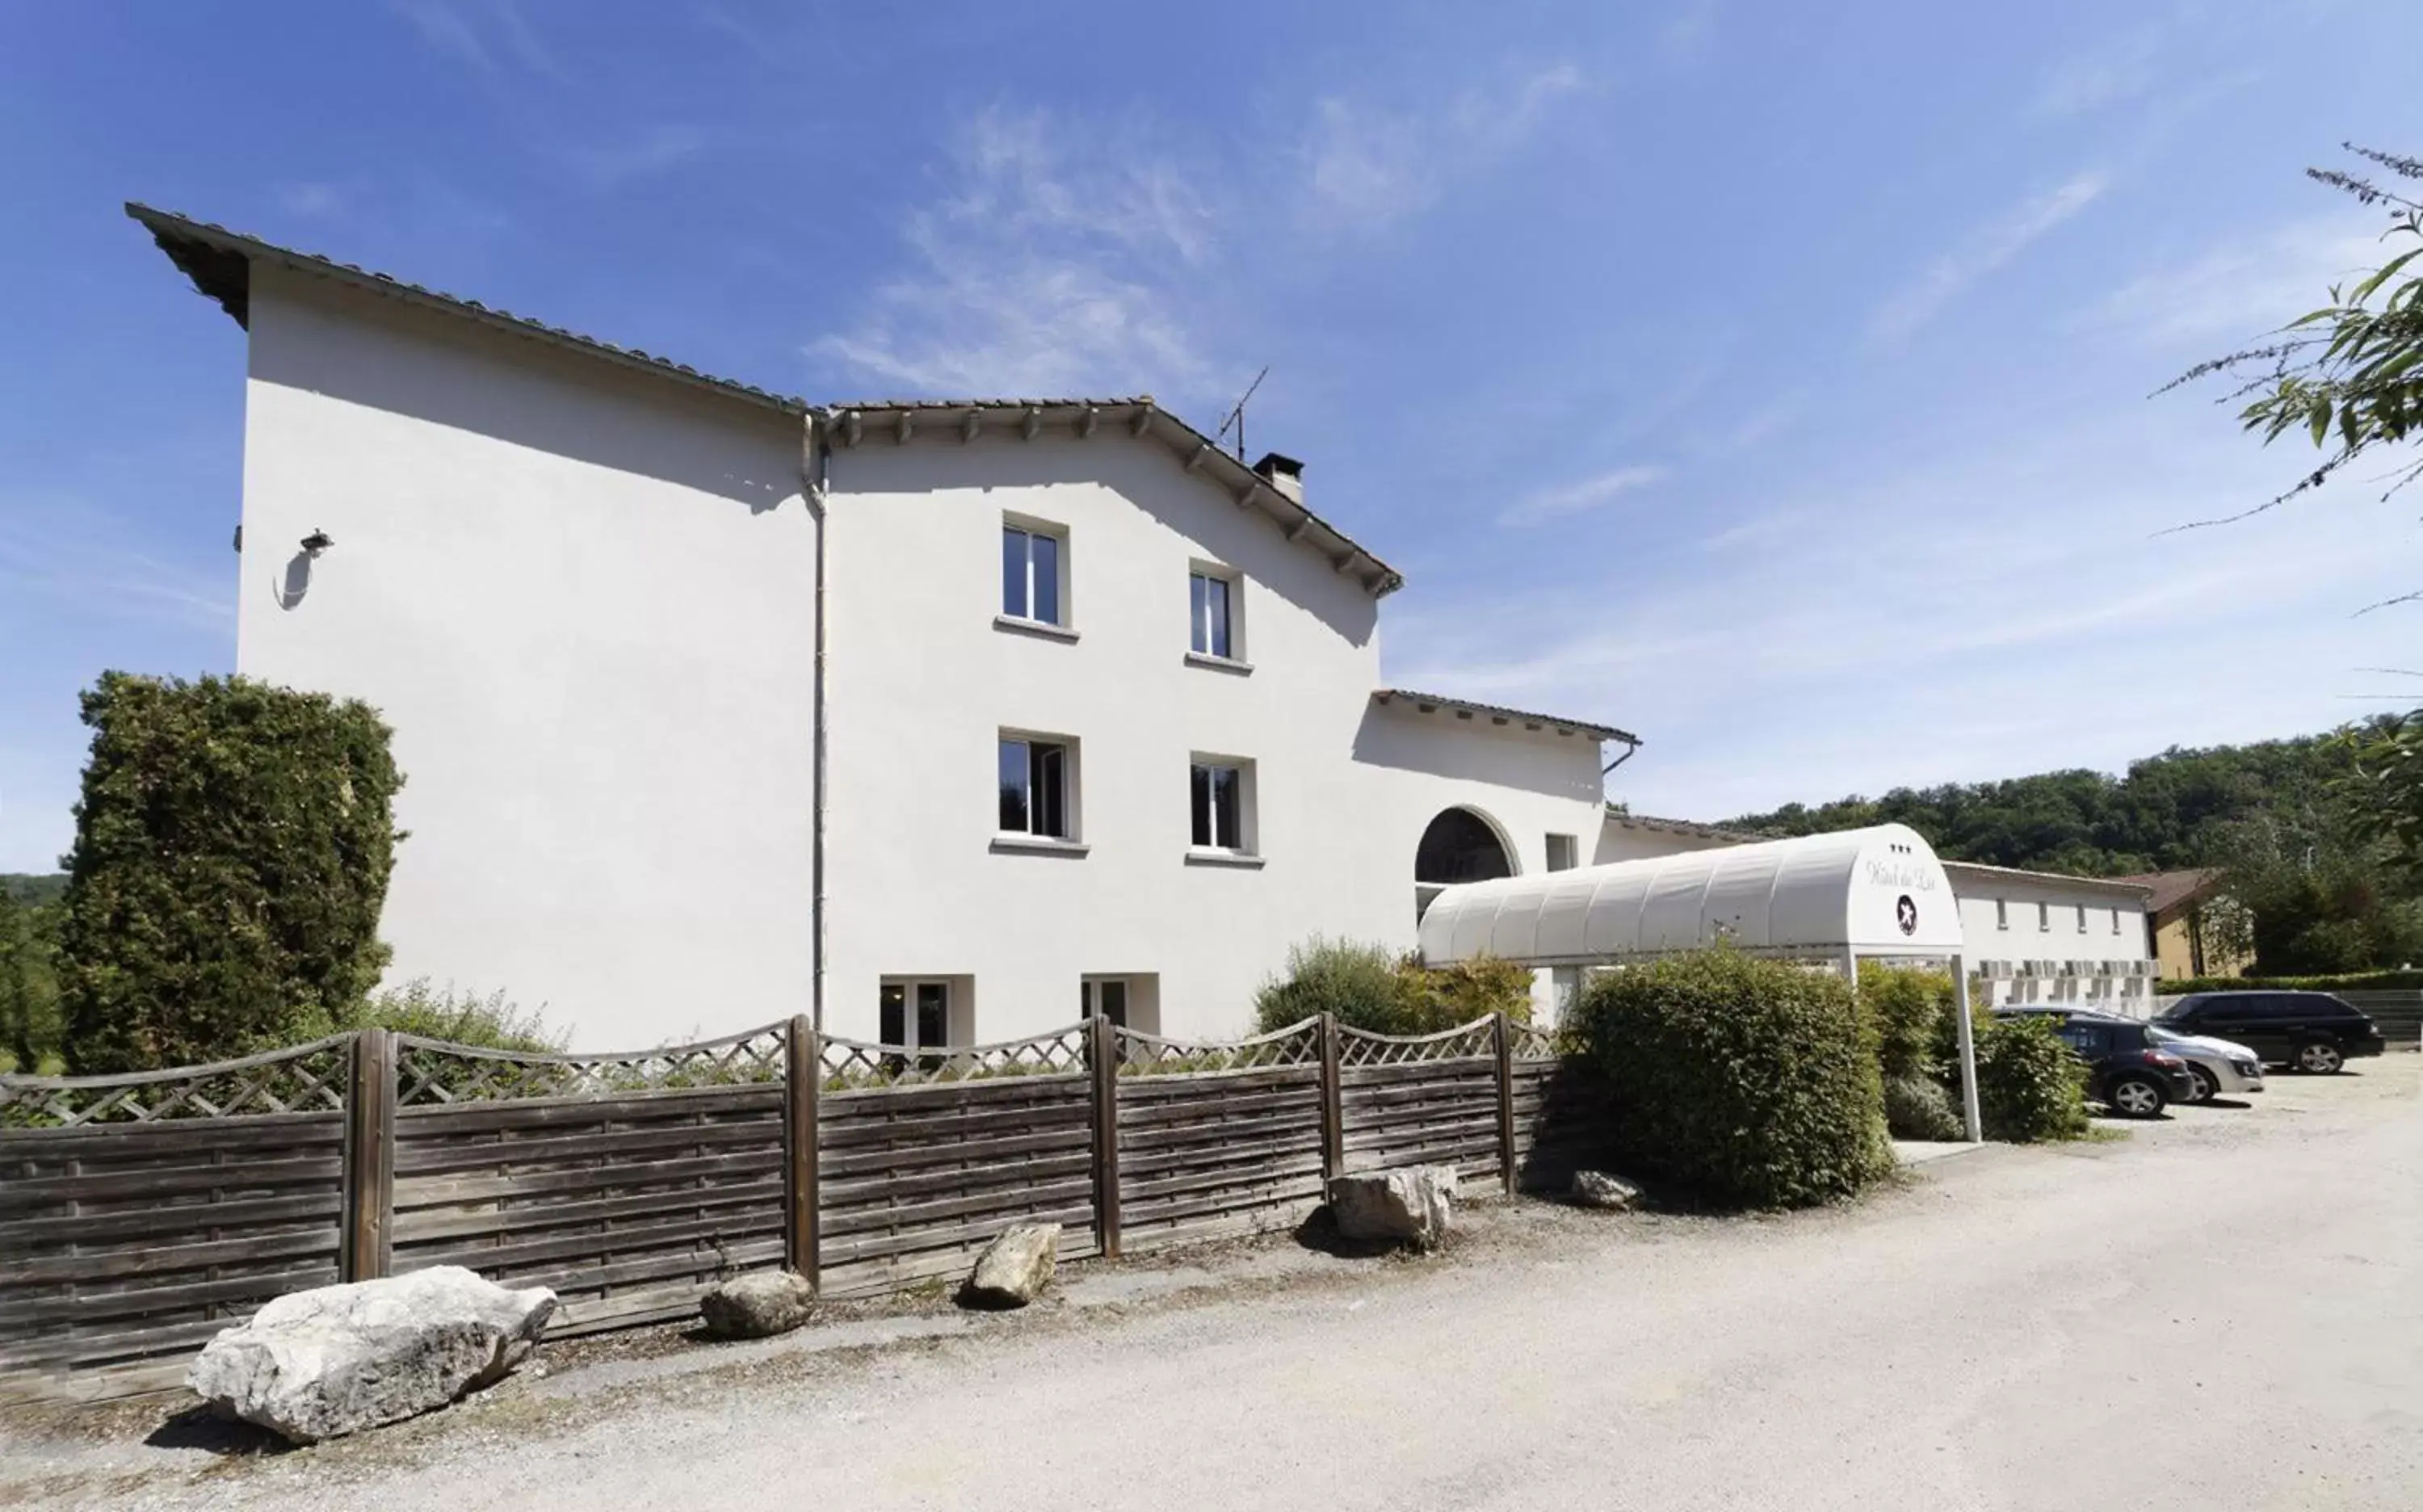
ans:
(2032, 936)
(2043, 937)
(940, 720)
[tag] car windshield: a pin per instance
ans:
(2162, 1036)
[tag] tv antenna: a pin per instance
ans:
(1237, 415)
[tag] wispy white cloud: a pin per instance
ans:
(311, 201)
(1690, 33)
(84, 563)
(2120, 67)
(1045, 267)
(489, 36)
(1579, 498)
(2239, 288)
(608, 165)
(1368, 166)
(1982, 253)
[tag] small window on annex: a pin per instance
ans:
(1562, 849)
(1038, 787)
(1033, 558)
(1219, 800)
(1215, 627)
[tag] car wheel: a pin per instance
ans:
(2138, 1097)
(2207, 1087)
(2321, 1058)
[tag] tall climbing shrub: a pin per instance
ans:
(232, 855)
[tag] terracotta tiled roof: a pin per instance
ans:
(2172, 888)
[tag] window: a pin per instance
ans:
(915, 1016)
(1035, 788)
(1031, 573)
(2001, 913)
(1219, 806)
(2044, 919)
(2115, 921)
(1208, 598)
(1106, 998)
(2081, 918)
(1561, 849)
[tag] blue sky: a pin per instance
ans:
(1767, 382)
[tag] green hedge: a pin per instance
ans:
(1373, 988)
(2031, 1087)
(232, 855)
(1746, 1082)
(2363, 981)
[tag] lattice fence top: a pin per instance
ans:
(308, 1078)
(850, 1064)
(433, 1071)
(1533, 1042)
(1149, 1055)
(1360, 1047)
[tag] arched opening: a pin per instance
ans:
(1460, 846)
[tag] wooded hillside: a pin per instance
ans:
(2167, 812)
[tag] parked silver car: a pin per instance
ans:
(2219, 1066)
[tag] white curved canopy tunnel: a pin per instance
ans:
(1877, 893)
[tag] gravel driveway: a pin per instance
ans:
(2223, 1309)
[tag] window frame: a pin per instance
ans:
(1039, 751)
(2044, 917)
(912, 1044)
(1244, 806)
(1029, 530)
(1573, 848)
(1233, 583)
(2002, 912)
(2081, 918)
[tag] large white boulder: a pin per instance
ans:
(1414, 1206)
(337, 1360)
(1014, 1270)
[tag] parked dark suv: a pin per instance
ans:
(2126, 1070)
(2310, 1031)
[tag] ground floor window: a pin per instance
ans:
(1106, 998)
(1566, 990)
(915, 1015)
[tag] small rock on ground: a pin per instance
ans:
(1014, 1268)
(758, 1305)
(1597, 1188)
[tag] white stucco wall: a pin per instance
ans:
(582, 600)
(2114, 931)
(923, 682)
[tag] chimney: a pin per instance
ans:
(1283, 474)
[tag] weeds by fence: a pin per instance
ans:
(140, 1213)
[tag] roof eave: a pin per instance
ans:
(219, 263)
(906, 419)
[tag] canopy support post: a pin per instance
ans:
(1969, 1120)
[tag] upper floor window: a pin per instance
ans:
(1032, 564)
(2001, 913)
(2115, 921)
(1561, 849)
(1211, 600)
(2044, 919)
(2081, 918)
(1036, 787)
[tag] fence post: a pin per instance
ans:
(1102, 1062)
(1501, 1033)
(365, 1242)
(802, 1082)
(1333, 1105)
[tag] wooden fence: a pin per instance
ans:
(140, 1214)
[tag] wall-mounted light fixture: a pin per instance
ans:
(317, 542)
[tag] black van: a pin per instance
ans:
(2310, 1031)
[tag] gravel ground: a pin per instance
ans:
(2224, 1308)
